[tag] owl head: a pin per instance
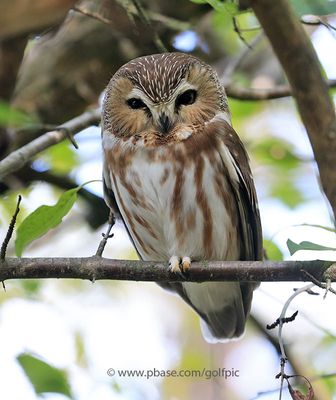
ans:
(161, 94)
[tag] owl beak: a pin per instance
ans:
(164, 123)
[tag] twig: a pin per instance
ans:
(145, 20)
(83, 268)
(10, 230)
(106, 236)
(315, 378)
(237, 30)
(88, 13)
(303, 315)
(316, 20)
(9, 235)
(281, 319)
(20, 157)
(236, 61)
(69, 135)
(326, 286)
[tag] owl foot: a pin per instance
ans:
(178, 266)
(186, 263)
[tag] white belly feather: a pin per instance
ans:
(155, 181)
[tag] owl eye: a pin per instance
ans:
(136, 103)
(186, 98)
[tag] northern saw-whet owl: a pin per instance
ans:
(178, 175)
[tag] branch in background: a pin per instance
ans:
(20, 157)
(300, 63)
(22, 17)
(96, 268)
(241, 93)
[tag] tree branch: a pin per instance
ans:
(97, 268)
(300, 63)
(18, 158)
(240, 93)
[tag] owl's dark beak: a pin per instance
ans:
(164, 123)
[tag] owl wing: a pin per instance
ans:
(236, 161)
(110, 199)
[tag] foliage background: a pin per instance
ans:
(61, 336)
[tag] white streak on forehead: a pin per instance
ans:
(158, 76)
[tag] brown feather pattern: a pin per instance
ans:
(187, 192)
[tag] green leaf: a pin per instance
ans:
(220, 6)
(12, 117)
(326, 228)
(43, 219)
(44, 377)
(306, 245)
(315, 7)
(272, 250)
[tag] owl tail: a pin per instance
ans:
(223, 307)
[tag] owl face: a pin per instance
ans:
(162, 98)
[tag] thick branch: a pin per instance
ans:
(18, 158)
(96, 268)
(298, 58)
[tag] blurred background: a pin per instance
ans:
(62, 336)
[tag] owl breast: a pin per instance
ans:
(175, 200)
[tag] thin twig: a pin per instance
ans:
(283, 360)
(316, 20)
(236, 61)
(283, 321)
(106, 236)
(88, 13)
(326, 286)
(10, 230)
(237, 30)
(146, 21)
(315, 378)
(9, 235)
(302, 315)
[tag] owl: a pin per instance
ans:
(178, 175)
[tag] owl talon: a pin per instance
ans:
(174, 265)
(186, 263)
(178, 266)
